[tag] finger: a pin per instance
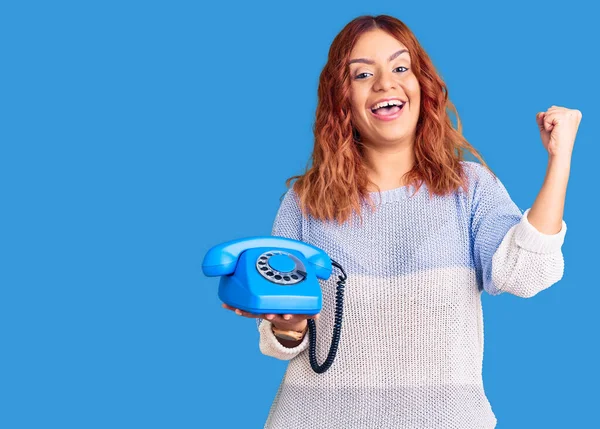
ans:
(539, 119)
(238, 311)
(247, 314)
(287, 316)
(549, 122)
(269, 316)
(228, 307)
(278, 318)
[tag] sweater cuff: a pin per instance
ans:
(269, 344)
(529, 238)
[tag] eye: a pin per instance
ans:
(358, 76)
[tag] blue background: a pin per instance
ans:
(137, 135)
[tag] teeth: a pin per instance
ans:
(387, 103)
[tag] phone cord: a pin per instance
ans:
(337, 327)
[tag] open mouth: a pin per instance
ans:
(388, 110)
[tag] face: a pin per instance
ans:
(380, 69)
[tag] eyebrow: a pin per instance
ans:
(367, 61)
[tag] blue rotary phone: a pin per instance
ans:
(277, 275)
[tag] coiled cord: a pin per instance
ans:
(337, 328)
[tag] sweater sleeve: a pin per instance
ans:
(510, 254)
(288, 224)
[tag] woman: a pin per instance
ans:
(420, 233)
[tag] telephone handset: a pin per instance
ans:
(278, 275)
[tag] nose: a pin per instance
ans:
(384, 82)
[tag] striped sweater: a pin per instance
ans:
(411, 347)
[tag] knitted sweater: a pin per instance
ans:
(411, 347)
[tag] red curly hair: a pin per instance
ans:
(336, 183)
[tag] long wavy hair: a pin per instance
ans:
(336, 183)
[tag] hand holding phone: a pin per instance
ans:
(293, 322)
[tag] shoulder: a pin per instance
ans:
(480, 177)
(290, 198)
(484, 187)
(290, 203)
(476, 171)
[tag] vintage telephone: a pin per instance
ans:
(277, 275)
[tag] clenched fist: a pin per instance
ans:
(558, 128)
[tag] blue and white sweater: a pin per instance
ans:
(411, 347)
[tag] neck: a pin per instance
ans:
(387, 166)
